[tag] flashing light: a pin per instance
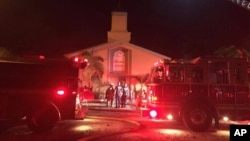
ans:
(154, 98)
(225, 118)
(85, 63)
(76, 59)
(60, 92)
(153, 113)
(170, 117)
(41, 57)
(81, 63)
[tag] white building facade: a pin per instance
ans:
(122, 59)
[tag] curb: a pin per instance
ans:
(131, 108)
(100, 106)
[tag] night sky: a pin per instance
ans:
(175, 28)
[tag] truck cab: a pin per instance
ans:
(199, 91)
(43, 91)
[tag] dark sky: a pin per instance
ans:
(171, 27)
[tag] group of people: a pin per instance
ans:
(117, 93)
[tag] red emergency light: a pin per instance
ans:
(81, 63)
(153, 113)
(60, 92)
(76, 59)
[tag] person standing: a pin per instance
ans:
(138, 100)
(118, 94)
(125, 91)
(110, 95)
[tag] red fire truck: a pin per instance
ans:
(44, 91)
(199, 91)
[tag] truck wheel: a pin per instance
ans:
(197, 118)
(43, 118)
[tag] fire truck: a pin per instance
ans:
(199, 92)
(42, 91)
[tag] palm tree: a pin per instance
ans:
(142, 80)
(94, 71)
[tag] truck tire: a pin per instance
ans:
(43, 118)
(197, 117)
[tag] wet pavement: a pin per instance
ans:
(100, 121)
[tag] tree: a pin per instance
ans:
(5, 53)
(94, 71)
(141, 79)
(231, 52)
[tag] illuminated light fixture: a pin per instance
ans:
(60, 92)
(170, 117)
(153, 113)
(76, 59)
(154, 98)
(225, 118)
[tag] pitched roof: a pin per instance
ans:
(111, 45)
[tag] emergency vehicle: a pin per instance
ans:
(199, 91)
(43, 91)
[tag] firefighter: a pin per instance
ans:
(124, 95)
(139, 99)
(110, 95)
(118, 94)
